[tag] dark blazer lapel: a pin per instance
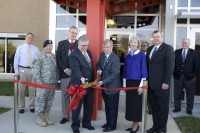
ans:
(157, 52)
(66, 46)
(148, 54)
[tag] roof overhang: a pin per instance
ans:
(184, 14)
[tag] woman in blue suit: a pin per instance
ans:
(135, 71)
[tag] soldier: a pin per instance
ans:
(45, 72)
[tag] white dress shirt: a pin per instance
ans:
(21, 55)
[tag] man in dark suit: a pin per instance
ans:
(185, 72)
(160, 61)
(108, 67)
(64, 49)
(81, 64)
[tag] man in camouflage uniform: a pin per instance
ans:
(45, 72)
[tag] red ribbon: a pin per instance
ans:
(78, 92)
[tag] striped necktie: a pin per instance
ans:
(87, 58)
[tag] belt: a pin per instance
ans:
(28, 67)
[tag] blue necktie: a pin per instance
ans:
(183, 55)
(104, 63)
(154, 51)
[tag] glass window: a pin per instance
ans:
(60, 35)
(2, 54)
(147, 22)
(181, 21)
(145, 35)
(149, 10)
(195, 3)
(194, 21)
(121, 22)
(181, 33)
(65, 21)
(120, 43)
(182, 3)
(81, 12)
(181, 10)
(82, 22)
(64, 9)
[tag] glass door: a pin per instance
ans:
(120, 40)
(195, 42)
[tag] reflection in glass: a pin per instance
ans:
(195, 3)
(145, 35)
(82, 22)
(182, 3)
(181, 21)
(60, 35)
(64, 9)
(81, 12)
(2, 58)
(122, 22)
(149, 10)
(195, 21)
(120, 43)
(65, 21)
(181, 33)
(148, 22)
(11, 49)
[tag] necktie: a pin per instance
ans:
(87, 58)
(29, 56)
(154, 51)
(183, 55)
(104, 63)
(71, 46)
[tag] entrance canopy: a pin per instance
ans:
(113, 7)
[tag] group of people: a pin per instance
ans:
(73, 63)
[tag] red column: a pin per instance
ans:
(95, 32)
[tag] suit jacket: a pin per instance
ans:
(189, 68)
(80, 67)
(110, 72)
(62, 56)
(161, 66)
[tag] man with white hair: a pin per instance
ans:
(185, 72)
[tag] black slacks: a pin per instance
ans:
(87, 102)
(111, 108)
(190, 87)
(159, 100)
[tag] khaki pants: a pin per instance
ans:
(26, 75)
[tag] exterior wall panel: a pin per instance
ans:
(22, 16)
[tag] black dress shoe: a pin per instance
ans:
(135, 130)
(21, 111)
(189, 112)
(89, 127)
(108, 129)
(32, 110)
(129, 129)
(104, 126)
(76, 131)
(151, 130)
(64, 120)
(176, 110)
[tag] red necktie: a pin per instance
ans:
(71, 46)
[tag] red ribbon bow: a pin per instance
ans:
(78, 92)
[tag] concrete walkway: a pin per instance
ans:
(27, 120)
